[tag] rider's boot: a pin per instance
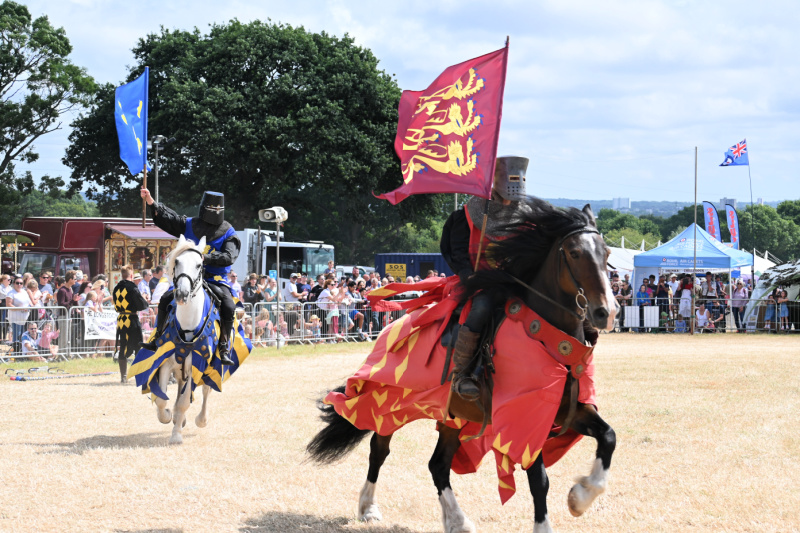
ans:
(223, 348)
(464, 384)
(161, 320)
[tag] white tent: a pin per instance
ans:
(621, 260)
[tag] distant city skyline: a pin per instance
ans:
(606, 99)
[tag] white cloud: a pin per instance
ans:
(588, 81)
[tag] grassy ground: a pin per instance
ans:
(705, 426)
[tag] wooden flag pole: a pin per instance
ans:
(483, 233)
(144, 202)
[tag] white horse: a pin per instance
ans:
(185, 267)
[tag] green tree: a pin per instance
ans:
(269, 115)
(790, 210)
(48, 200)
(633, 238)
(772, 232)
(37, 84)
(609, 220)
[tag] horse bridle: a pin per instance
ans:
(580, 298)
(196, 283)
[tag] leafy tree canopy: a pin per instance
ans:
(37, 84)
(49, 199)
(790, 210)
(772, 232)
(269, 115)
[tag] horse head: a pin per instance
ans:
(185, 267)
(560, 257)
(583, 272)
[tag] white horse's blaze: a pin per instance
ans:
(189, 315)
(367, 508)
(453, 518)
(611, 304)
(587, 488)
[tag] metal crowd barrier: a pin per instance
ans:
(50, 319)
(311, 323)
(666, 319)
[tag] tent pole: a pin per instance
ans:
(694, 270)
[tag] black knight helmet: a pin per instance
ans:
(212, 208)
(509, 177)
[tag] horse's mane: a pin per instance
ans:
(181, 247)
(534, 227)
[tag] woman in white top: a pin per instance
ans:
(703, 318)
(18, 297)
(326, 304)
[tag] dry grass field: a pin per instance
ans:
(707, 430)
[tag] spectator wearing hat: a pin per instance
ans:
(673, 287)
(739, 300)
(252, 292)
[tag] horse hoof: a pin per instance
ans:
(465, 527)
(577, 500)
(165, 416)
(372, 514)
(176, 439)
(200, 422)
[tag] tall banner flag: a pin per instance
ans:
(130, 112)
(447, 134)
(733, 225)
(712, 221)
(736, 155)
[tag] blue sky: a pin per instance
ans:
(606, 98)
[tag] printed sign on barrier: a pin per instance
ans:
(102, 325)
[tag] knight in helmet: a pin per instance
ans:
(222, 249)
(461, 241)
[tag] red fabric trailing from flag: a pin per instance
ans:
(447, 134)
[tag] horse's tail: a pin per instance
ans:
(338, 438)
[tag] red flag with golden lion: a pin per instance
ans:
(447, 134)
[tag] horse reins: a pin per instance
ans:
(582, 306)
(194, 284)
(572, 383)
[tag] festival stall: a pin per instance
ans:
(678, 255)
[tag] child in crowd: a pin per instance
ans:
(769, 312)
(316, 329)
(783, 310)
(283, 327)
(46, 339)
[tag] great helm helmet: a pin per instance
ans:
(212, 207)
(509, 177)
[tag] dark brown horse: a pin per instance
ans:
(555, 265)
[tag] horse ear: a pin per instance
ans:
(181, 240)
(589, 213)
(202, 244)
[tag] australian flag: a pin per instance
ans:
(736, 155)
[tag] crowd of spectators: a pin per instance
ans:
(673, 295)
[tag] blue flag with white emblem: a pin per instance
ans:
(736, 155)
(130, 112)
